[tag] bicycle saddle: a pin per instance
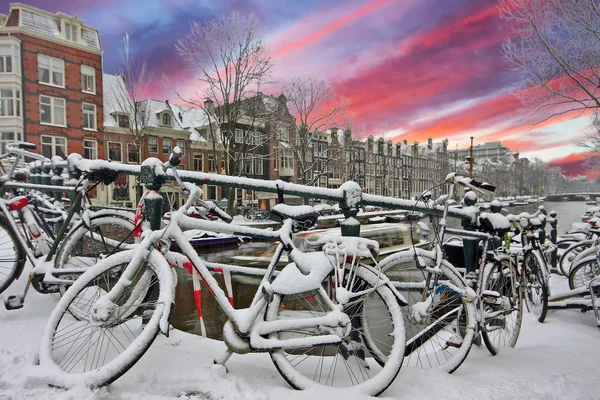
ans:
(305, 215)
(494, 223)
(104, 175)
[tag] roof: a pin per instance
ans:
(46, 24)
(115, 97)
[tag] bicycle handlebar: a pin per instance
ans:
(18, 148)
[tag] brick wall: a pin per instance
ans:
(72, 93)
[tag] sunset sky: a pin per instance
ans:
(410, 69)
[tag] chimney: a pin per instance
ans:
(430, 143)
(209, 106)
(415, 149)
(405, 142)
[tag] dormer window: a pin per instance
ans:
(166, 119)
(70, 32)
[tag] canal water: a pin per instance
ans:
(185, 316)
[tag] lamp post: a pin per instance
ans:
(471, 160)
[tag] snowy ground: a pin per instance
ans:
(559, 359)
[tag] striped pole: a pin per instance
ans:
(198, 298)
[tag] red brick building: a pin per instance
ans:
(50, 82)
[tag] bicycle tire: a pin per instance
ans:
(443, 338)
(266, 215)
(109, 231)
(502, 331)
(352, 356)
(13, 255)
(582, 273)
(70, 372)
(567, 258)
(536, 288)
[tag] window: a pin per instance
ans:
(248, 167)
(89, 116)
(239, 136)
(212, 165)
(132, 154)
(71, 32)
(153, 145)
(10, 103)
(283, 133)
(54, 146)
(123, 121)
(90, 149)
(114, 151)
(181, 144)
(258, 166)
(51, 70)
(88, 79)
(52, 111)
(167, 148)
(166, 119)
(212, 192)
(9, 137)
(9, 59)
(286, 159)
(198, 162)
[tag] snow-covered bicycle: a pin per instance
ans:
(325, 318)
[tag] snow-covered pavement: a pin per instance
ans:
(559, 359)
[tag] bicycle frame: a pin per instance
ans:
(308, 277)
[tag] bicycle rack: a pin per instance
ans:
(595, 294)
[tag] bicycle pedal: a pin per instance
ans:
(13, 302)
(454, 341)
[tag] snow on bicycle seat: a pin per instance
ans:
(348, 246)
(297, 213)
(104, 175)
(495, 223)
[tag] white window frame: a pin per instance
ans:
(248, 163)
(258, 166)
(153, 138)
(54, 103)
(91, 116)
(90, 146)
(52, 69)
(170, 142)
(71, 32)
(54, 145)
(276, 158)
(11, 51)
(198, 156)
(166, 116)
(283, 132)
(239, 136)
(88, 74)
(5, 139)
(120, 145)
(14, 101)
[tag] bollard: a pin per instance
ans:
(74, 176)
(352, 196)
(35, 173)
(57, 180)
(46, 178)
(153, 201)
(554, 238)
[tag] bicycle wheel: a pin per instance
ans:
(12, 255)
(85, 245)
(567, 258)
(504, 313)
(583, 272)
(536, 287)
(96, 350)
(370, 354)
(266, 215)
(439, 330)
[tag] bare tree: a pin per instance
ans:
(233, 63)
(136, 78)
(555, 47)
(316, 108)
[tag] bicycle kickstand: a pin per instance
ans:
(223, 358)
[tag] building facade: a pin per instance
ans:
(50, 82)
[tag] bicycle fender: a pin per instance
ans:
(166, 296)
